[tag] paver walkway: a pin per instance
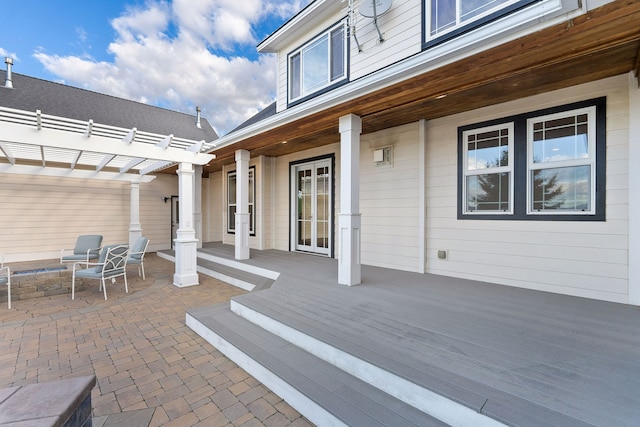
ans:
(152, 370)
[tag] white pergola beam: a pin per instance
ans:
(105, 161)
(166, 141)
(195, 148)
(73, 173)
(39, 119)
(89, 129)
(71, 141)
(76, 160)
(7, 153)
(131, 164)
(129, 137)
(44, 162)
(154, 167)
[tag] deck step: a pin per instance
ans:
(445, 395)
(323, 393)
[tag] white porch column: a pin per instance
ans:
(349, 266)
(197, 203)
(242, 204)
(135, 228)
(186, 244)
(634, 191)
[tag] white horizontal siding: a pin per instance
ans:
(41, 215)
(588, 259)
(389, 200)
(401, 31)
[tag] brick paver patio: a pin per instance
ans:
(151, 369)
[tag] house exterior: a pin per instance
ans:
(76, 162)
(494, 141)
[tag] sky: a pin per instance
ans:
(175, 54)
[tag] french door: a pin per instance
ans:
(312, 206)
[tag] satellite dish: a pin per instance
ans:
(382, 7)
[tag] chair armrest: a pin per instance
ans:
(62, 251)
(8, 270)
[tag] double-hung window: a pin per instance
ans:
(562, 162)
(232, 206)
(319, 64)
(488, 169)
(543, 165)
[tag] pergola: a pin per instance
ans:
(32, 143)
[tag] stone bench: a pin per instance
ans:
(63, 403)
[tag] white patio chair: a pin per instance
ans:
(87, 248)
(111, 264)
(136, 256)
(5, 280)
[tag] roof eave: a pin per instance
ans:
(313, 12)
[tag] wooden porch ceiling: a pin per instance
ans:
(603, 43)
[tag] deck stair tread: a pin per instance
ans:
(411, 365)
(257, 281)
(519, 356)
(351, 400)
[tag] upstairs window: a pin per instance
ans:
(318, 64)
(444, 16)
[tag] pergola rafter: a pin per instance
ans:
(28, 137)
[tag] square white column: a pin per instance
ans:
(242, 205)
(634, 190)
(135, 228)
(197, 203)
(349, 265)
(186, 243)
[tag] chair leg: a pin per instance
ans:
(9, 294)
(126, 286)
(142, 268)
(104, 286)
(73, 285)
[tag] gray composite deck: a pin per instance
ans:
(518, 356)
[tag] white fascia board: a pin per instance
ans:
(511, 27)
(316, 11)
(18, 133)
(73, 173)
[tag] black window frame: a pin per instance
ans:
(252, 189)
(428, 42)
(520, 167)
(331, 86)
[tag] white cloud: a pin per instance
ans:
(168, 54)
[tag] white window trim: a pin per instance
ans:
(252, 207)
(459, 24)
(591, 161)
(304, 46)
(509, 168)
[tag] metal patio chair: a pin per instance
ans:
(87, 248)
(5, 279)
(111, 264)
(136, 256)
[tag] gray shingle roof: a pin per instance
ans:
(266, 112)
(57, 99)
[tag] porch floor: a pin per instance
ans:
(518, 356)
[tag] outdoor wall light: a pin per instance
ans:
(165, 198)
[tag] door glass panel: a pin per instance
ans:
(322, 207)
(313, 207)
(305, 216)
